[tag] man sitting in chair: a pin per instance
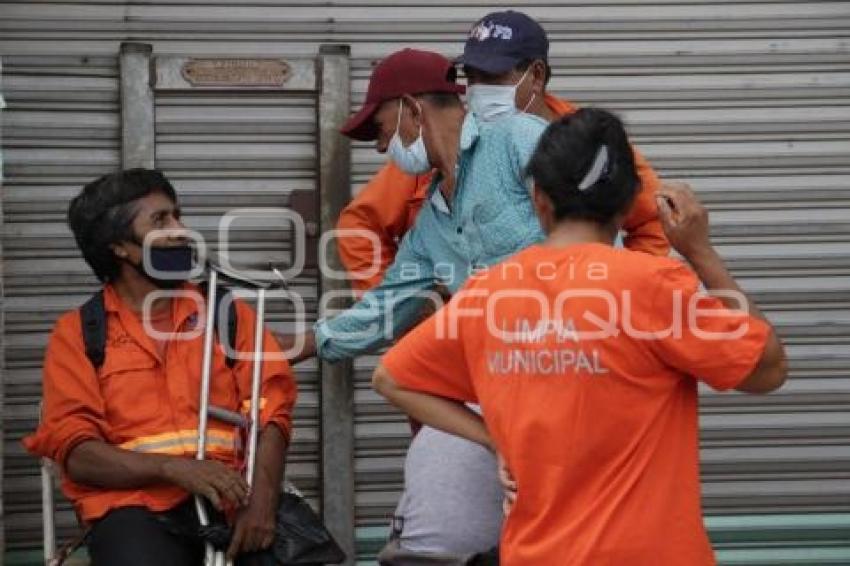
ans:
(121, 420)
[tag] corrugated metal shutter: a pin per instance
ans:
(60, 130)
(2, 319)
(747, 100)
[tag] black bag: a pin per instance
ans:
(300, 537)
(489, 558)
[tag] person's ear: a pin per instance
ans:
(120, 250)
(538, 76)
(414, 107)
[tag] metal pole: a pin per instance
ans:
(47, 507)
(2, 329)
(337, 380)
(137, 106)
(256, 378)
(210, 556)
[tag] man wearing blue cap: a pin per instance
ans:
(506, 63)
(505, 59)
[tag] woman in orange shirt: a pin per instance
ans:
(585, 360)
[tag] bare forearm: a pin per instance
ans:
(712, 271)
(685, 223)
(98, 464)
(270, 463)
(444, 414)
(771, 370)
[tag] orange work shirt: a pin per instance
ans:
(588, 390)
(145, 401)
(386, 207)
(388, 204)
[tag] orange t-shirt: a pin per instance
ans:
(587, 388)
(387, 205)
(145, 399)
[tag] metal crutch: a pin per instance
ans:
(47, 510)
(213, 557)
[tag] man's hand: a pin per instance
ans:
(684, 219)
(508, 485)
(254, 528)
(297, 347)
(209, 478)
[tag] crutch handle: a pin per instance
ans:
(227, 416)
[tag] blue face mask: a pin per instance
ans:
(166, 260)
(493, 102)
(412, 159)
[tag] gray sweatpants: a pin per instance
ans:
(394, 555)
(452, 500)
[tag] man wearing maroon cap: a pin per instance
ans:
(450, 510)
(393, 197)
(401, 76)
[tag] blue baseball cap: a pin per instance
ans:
(500, 40)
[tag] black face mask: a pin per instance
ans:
(166, 260)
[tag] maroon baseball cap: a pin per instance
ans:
(409, 71)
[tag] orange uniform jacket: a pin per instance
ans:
(140, 401)
(387, 206)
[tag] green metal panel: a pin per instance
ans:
(753, 540)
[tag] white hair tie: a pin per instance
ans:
(600, 164)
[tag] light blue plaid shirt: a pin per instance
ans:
(491, 217)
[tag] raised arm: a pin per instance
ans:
(685, 222)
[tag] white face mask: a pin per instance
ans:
(412, 159)
(493, 102)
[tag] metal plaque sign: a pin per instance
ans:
(236, 72)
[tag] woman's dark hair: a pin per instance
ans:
(103, 213)
(571, 167)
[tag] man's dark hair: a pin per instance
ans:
(565, 154)
(103, 213)
(523, 66)
(442, 99)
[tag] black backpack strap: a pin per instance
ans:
(93, 317)
(230, 335)
(231, 331)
